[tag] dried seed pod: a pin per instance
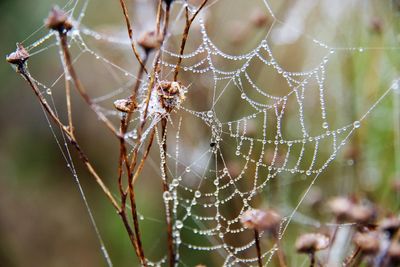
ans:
(362, 214)
(125, 105)
(390, 225)
(150, 40)
(340, 207)
(394, 253)
(58, 20)
(171, 94)
(261, 220)
(367, 242)
(258, 18)
(311, 242)
(19, 57)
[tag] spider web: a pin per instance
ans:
(220, 162)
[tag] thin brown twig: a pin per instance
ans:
(25, 74)
(79, 86)
(130, 33)
(158, 19)
(258, 247)
(185, 35)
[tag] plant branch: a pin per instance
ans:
(258, 247)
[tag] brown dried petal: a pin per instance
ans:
(150, 40)
(125, 105)
(58, 20)
(390, 225)
(19, 56)
(312, 242)
(268, 220)
(341, 207)
(368, 242)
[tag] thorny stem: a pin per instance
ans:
(171, 250)
(258, 247)
(186, 34)
(25, 74)
(78, 84)
(130, 33)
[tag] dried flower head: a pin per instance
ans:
(367, 242)
(258, 18)
(390, 225)
(58, 20)
(394, 253)
(340, 207)
(19, 57)
(262, 220)
(171, 94)
(311, 242)
(150, 40)
(362, 214)
(125, 105)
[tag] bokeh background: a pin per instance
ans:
(43, 221)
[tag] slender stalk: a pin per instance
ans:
(79, 86)
(258, 247)
(25, 74)
(281, 256)
(171, 250)
(312, 259)
(158, 19)
(185, 35)
(130, 33)
(352, 257)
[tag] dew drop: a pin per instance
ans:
(356, 124)
(167, 196)
(210, 114)
(48, 91)
(179, 224)
(187, 169)
(197, 194)
(325, 125)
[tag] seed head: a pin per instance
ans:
(58, 20)
(390, 225)
(262, 220)
(258, 18)
(170, 94)
(367, 242)
(362, 214)
(311, 242)
(340, 207)
(150, 40)
(125, 105)
(394, 253)
(19, 57)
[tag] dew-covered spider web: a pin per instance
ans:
(252, 123)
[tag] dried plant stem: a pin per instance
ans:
(312, 259)
(25, 74)
(130, 34)
(348, 261)
(170, 240)
(69, 106)
(158, 19)
(281, 256)
(79, 86)
(258, 247)
(186, 34)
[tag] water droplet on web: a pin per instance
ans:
(395, 86)
(179, 224)
(210, 113)
(48, 91)
(167, 196)
(187, 169)
(308, 173)
(356, 124)
(325, 125)
(243, 96)
(97, 57)
(361, 49)
(221, 235)
(197, 194)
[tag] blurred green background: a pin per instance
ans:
(43, 221)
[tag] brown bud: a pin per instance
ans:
(19, 56)
(394, 253)
(390, 225)
(258, 18)
(150, 40)
(58, 20)
(367, 242)
(340, 207)
(362, 214)
(311, 242)
(262, 220)
(125, 105)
